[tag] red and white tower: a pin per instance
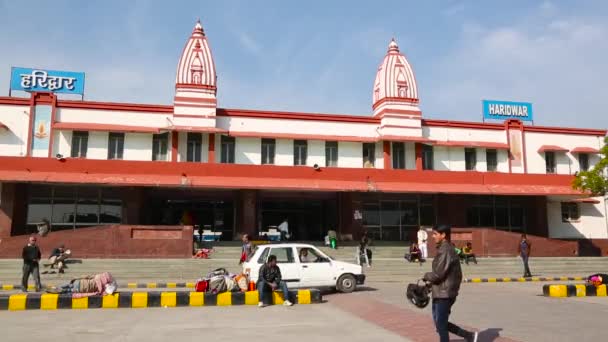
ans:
(196, 83)
(395, 95)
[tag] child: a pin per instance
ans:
(467, 253)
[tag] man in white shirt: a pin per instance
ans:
(284, 229)
(422, 237)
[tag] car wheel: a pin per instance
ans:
(346, 283)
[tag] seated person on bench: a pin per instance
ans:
(270, 279)
(467, 253)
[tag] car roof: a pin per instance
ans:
(286, 245)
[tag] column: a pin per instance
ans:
(419, 156)
(211, 152)
(247, 212)
(387, 154)
(174, 145)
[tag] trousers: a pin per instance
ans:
(34, 270)
(442, 307)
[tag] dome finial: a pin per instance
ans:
(392, 46)
(198, 28)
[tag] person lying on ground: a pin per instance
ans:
(598, 279)
(91, 285)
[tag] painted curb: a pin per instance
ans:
(574, 290)
(521, 280)
(49, 301)
(152, 285)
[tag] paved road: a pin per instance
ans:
(513, 311)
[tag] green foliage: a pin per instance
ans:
(594, 181)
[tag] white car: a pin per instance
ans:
(314, 270)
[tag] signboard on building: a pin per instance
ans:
(66, 82)
(502, 110)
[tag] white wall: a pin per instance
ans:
(350, 154)
(379, 164)
(567, 163)
(112, 117)
(592, 223)
(463, 134)
(316, 153)
(182, 147)
(97, 147)
(284, 152)
(13, 139)
(62, 143)
(482, 165)
(410, 156)
(138, 146)
(248, 151)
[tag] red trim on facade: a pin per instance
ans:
(127, 107)
(211, 151)
(418, 148)
(584, 200)
(300, 136)
(85, 126)
(16, 101)
(509, 155)
(194, 99)
(394, 113)
(296, 116)
(400, 126)
(552, 148)
(194, 86)
(565, 130)
(386, 151)
(483, 144)
(584, 150)
(193, 116)
(406, 139)
(462, 124)
(174, 146)
(394, 99)
(197, 129)
(32, 102)
(234, 176)
(194, 105)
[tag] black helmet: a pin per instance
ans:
(418, 294)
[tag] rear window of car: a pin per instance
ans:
(263, 256)
(284, 255)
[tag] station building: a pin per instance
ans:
(240, 171)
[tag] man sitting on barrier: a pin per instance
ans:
(270, 279)
(102, 283)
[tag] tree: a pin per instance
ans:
(594, 181)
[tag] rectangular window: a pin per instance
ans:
(470, 159)
(160, 143)
(331, 153)
(195, 147)
(550, 162)
(369, 155)
(492, 160)
(116, 145)
(284, 255)
(227, 147)
(398, 155)
(570, 212)
(300, 151)
(268, 149)
(583, 161)
(427, 157)
(80, 141)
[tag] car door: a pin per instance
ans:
(316, 269)
(288, 264)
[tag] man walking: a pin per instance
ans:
(445, 280)
(284, 230)
(31, 256)
(422, 237)
(524, 249)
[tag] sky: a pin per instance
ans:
(322, 56)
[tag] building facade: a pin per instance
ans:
(244, 171)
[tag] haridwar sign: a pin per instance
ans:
(66, 82)
(500, 110)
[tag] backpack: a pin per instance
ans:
(217, 284)
(217, 272)
(201, 285)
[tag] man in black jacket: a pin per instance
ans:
(270, 278)
(31, 256)
(445, 279)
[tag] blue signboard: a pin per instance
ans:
(66, 82)
(500, 110)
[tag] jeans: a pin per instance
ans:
(263, 288)
(32, 268)
(442, 308)
(527, 272)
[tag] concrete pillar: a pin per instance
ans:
(174, 146)
(348, 205)
(132, 205)
(211, 152)
(247, 212)
(13, 209)
(419, 156)
(387, 155)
